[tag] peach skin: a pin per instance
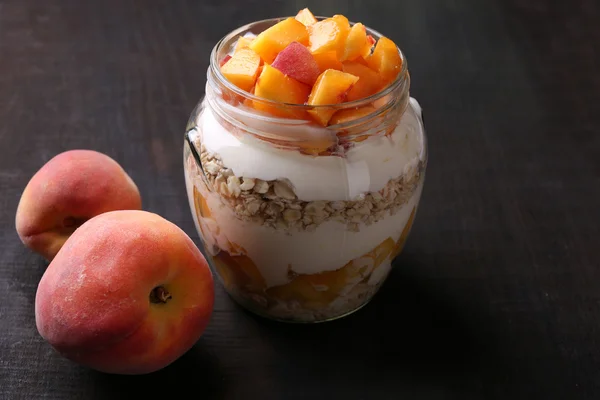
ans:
(128, 293)
(71, 188)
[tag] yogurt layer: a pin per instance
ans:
(367, 167)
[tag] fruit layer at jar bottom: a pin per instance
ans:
(316, 291)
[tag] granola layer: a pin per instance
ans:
(273, 203)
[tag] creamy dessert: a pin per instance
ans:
(302, 210)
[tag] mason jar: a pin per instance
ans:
(301, 222)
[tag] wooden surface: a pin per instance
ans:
(497, 295)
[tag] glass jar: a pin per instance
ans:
(301, 222)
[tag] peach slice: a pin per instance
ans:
(385, 59)
(242, 43)
(276, 38)
(306, 17)
(329, 34)
(274, 85)
(327, 60)
(242, 69)
(331, 88)
(356, 42)
(369, 81)
(201, 205)
(239, 271)
(351, 114)
(296, 61)
(319, 290)
(315, 290)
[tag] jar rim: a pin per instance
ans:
(401, 78)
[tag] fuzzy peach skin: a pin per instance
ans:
(128, 293)
(68, 190)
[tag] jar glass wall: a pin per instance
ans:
(301, 222)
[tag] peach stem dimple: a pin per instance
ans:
(159, 295)
(70, 222)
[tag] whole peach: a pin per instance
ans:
(68, 190)
(128, 293)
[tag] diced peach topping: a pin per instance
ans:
(306, 17)
(276, 38)
(331, 88)
(329, 34)
(356, 42)
(347, 115)
(242, 43)
(296, 62)
(242, 69)
(385, 59)
(327, 60)
(273, 84)
(305, 61)
(224, 60)
(369, 81)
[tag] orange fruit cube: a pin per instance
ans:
(306, 17)
(273, 84)
(276, 38)
(369, 81)
(385, 59)
(327, 60)
(242, 43)
(356, 42)
(350, 114)
(368, 47)
(242, 69)
(329, 34)
(330, 88)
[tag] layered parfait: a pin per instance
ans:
(304, 199)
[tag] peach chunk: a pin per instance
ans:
(224, 60)
(306, 17)
(128, 293)
(276, 38)
(331, 88)
(297, 62)
(356, 43)
(238, 272)
(242, 68)
(327, 60)
(351, 114)
(319, 290)
(273, 84)
(329, 34)
(369, 81)
(385, 59)
(242, 43)
(71, 188)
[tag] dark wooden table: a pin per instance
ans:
(497, 295)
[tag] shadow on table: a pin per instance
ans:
(196, 372)
(414, 331)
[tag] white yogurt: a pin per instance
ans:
(367, 167)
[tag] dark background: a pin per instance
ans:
(497, 294)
